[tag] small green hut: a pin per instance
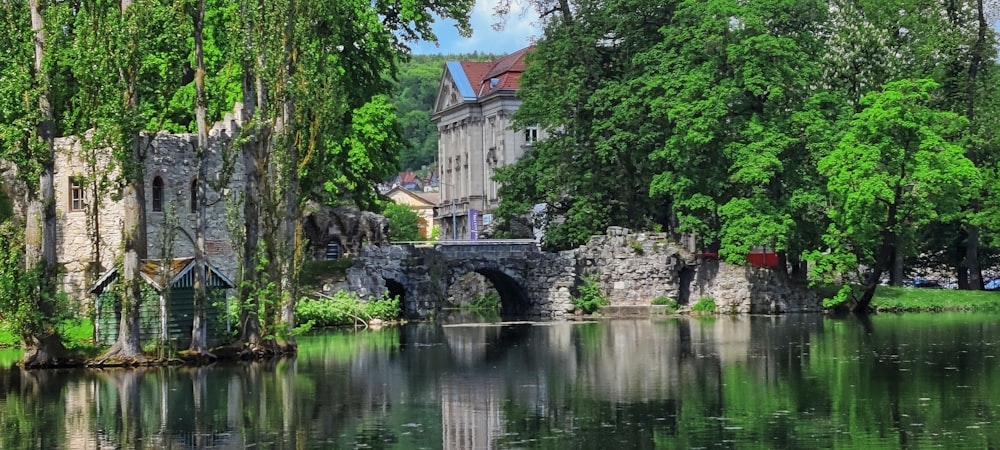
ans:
(167, 309)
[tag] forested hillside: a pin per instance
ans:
(413, 96)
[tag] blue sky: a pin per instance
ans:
(521, 27)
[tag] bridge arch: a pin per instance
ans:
(514, 300)
(529, 283)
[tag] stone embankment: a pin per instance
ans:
(636, 268)
(632, 269)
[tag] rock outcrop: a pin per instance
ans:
(348, 227)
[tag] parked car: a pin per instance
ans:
(930, 284)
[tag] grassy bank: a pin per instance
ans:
(898, 299)
(76, 333)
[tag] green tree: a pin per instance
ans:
(27, 133)
(321, 125)
(737, 83)
(581, 87)
(899, 166)
(403, 223)
(199, 326)
(413, 96)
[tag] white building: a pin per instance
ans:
(473, 111)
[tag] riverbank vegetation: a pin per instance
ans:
(345, 309)
(590, 298)
(341, 309)
(897, 299)
(858, 137)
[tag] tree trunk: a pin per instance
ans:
(782, 268)
(199, 329)
(254, 108)
(43, 347)
(291, 189)
(126, 349)
(896, 276)
(889, 243)
(978, 49)
(863, 305)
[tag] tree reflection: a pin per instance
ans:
(782, 382)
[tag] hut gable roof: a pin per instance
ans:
(157, 272)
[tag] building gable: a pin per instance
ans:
(406, 197)
(449, 94)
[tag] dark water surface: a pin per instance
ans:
(797, 381)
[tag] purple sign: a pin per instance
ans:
(473, 224)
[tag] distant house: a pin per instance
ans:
(473, 111)
(408, 180)
(167, 310)
(432, 182)
(422, 203)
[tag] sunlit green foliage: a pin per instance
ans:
(705, 305)
(403, 223)
(710, 119)
(22, 309)
(669, 304)
(344, 308)
(900, 166)
(590, 297)
(490, 301)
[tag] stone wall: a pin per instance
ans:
(632, 268)
(636, 268)
(89, 244)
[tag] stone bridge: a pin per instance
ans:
(531, 283)
(632, 269)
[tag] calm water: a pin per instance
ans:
(799, 381)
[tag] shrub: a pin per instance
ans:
(590, 297)
(342, 309)
(705, 305)
(670, 303)
(488, 301)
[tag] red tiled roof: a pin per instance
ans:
(475, 71)
(407, 177)
(506, 71)
(513, 62)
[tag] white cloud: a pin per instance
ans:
(520, 29)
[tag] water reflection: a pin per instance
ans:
(790, 381)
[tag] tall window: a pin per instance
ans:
(157, 194)
(194, 195)
(76, 194)
(530, 135)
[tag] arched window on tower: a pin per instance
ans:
(194, 195)
(157, 194)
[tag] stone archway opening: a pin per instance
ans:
(490, 294)
(686, 276)
(513, 300)
(472, 297)
(396, 289)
